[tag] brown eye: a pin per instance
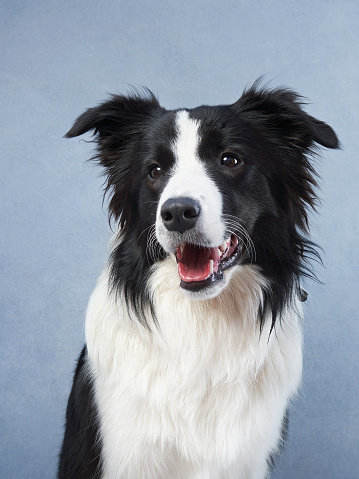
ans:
(230, 160)
(154, 171)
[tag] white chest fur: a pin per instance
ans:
(203, 395)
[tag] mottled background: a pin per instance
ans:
(58, 58)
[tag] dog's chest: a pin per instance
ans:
(206, 390)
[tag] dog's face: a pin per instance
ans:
(204, 212)
(215, 187)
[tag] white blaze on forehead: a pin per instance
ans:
(187, 141)
(189, 174)
(190, 178)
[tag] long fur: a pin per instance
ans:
(191, 378)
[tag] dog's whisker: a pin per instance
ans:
(148, 203)
(144, 231)
(153, 248)
(234, 227)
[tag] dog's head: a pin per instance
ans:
(216, 187)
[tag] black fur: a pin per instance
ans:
(271, 460)
(81, 447)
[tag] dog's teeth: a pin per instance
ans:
(223, 246)
(211, 266)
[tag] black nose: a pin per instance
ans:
(180, 214)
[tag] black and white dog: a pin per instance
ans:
(193, 337)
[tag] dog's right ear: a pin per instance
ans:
(116, 125)
(120, 116)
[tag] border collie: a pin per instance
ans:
(193, 335)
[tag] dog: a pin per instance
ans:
(193, 332)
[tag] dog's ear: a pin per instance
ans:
(278, 116)
(120, 116)
(279, 113)
(117, 124)
(322, 133)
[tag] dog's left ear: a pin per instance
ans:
(278, 112)
(322, 133)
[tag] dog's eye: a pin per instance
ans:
(154, 171)
(229, 160)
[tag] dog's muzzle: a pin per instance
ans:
(200, 265)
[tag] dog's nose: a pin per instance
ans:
(180, 214)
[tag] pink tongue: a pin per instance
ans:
(194, 263)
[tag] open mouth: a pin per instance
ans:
(199, 267)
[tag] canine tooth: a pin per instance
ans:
(211, 266)
(223, 246)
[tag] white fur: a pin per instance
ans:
(203, 395)
(190, 179)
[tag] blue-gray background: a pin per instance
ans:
(58, 58)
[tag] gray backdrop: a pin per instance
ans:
(58, 58)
